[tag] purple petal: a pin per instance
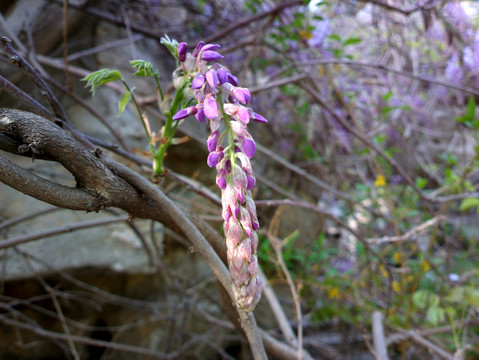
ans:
(249, 148)
(259, 118)
(243, 115)
(232, 79)
(210, 47)
(198, 47)
(184, 113)
(182, 50)
(221, 182)
(247, 95)
(210, 55)
(214, 158)
(210, 107)
(212, 141)
(222, 76)
(251, 182)
(198, 81)
(212, 78)
(242, 95)
(200, 115)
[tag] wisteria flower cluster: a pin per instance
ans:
(230, 145)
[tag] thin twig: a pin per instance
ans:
(411, 234)
(22, 239)
(278, 247)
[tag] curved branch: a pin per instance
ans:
(112, 184)
(45, 190)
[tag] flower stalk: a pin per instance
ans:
(220, 100)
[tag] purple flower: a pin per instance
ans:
(214, 158)
(198, 48)
(210, 107)
(233, 80)
(184, 113)
(200, 115)
(198, 81)
(249, 147)
(222, 76)
(221, 182)
(259, 118)
(210, 55)
(212, 141)
(251, 182)
(212, 78)
(182, 50)
(208, 47)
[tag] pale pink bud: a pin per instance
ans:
(253, 266)
(238, 128)
(254, 242)
(239, 178)
(251, 207)
(245, 220)
(230, 200)
(245, 163)
(233, 232)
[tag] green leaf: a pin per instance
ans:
(421, 182)
(101, 77)
(352, 41)
(436, 315)
(170, 44)
(468, 118)
(388, 96)
(425, 298)
(471, 108)
(468, 204)
(143, 68)
(335, 37)
(124, 100)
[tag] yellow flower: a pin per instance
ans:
(426, 266)
(380, 181)
(396, 286)
(397, 257)
(333, 293)
(305, 34)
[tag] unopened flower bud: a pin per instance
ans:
(182, 50)
(210, 55)
(184, 113)
(198, 48)
(212, 141)
(249, 147)
(214, 158)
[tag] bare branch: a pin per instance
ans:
(411, 234)
(379, 340)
